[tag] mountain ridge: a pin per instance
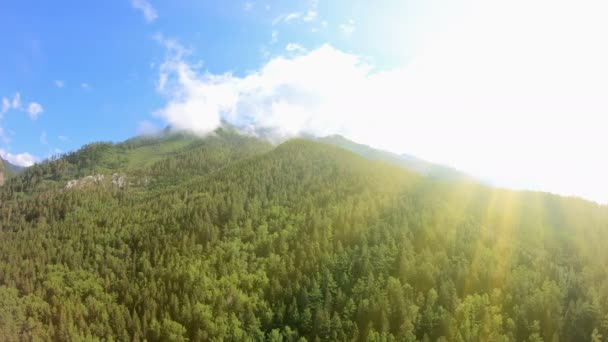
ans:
(403, 160)
(234, 238)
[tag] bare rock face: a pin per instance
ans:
(71, 184)
(1, 178)
(119, 181)
(86, 181)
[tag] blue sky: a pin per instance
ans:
(92, 66)
(512, 92)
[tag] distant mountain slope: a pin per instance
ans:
(7, 170)
(235, 239)
(4, 171)
(14, 169)
(161, 158)
(406, 161)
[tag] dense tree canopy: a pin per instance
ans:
(227, 238)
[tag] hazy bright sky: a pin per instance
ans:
(513, 92)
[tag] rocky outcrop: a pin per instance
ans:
(116, 181)
(86, 181)
(119, 181)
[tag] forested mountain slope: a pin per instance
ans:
(168, 156)
(7, 170)
(233, 239)
(406, 161)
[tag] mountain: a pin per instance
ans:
(178, 238)
(404, 160)
(167, 157)
(7, 170)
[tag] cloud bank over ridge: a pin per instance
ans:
(521, 105)
(320, 92)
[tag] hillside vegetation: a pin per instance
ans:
(406, 161)
(7, 170)
(229, 238)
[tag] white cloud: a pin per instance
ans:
(348, 28)
(192, 104)
(314, 92)
(248, 6)
(274, 38)
(16, 103)
(59, 83)
(147, 128)
(43, 139)
(285, 18)
(311, 15)
(84, 85)
(21, 159)
(6, 105)
(34, 110)
(291, 16)
(63, 138)
(312, 12)
(521, 105)
(295, 48)
(308, 15)
(146, 9)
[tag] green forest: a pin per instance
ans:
(230, 238)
